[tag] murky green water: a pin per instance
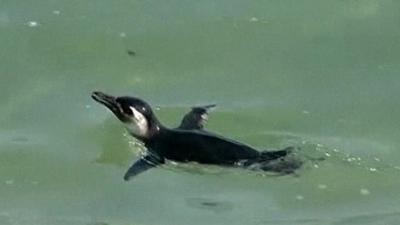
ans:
(321, 75)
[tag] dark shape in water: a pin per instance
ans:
(131, 53)
(216, 206)
(189, 142)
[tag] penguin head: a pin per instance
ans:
(134, 113)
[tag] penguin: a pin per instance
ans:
(189, 142)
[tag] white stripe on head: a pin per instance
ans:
(138, 125)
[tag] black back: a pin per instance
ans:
(198, 146)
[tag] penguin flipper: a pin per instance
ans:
(145, 163)
(196, 118)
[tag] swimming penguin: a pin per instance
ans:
(187, 143)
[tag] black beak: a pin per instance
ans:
(110, 102)
(107, 100)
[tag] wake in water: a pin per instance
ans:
(306, 156)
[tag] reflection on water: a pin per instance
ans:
(209, 204)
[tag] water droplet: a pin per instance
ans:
(372, 169)
(316, 166)
(305, 112)
(88, 106)
(56, 12)
(299, 197)
(327, 154)
(322, 186)
(335, 150)
(320, 145)
(122, 34)
(9, 182)
(377, 159)
(364, 191)
(351, 159)
(253, 19)
(33, 24)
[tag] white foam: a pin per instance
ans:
(32, 24)
(254, 19)
(364, 191)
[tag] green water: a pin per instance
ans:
(320, 75)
